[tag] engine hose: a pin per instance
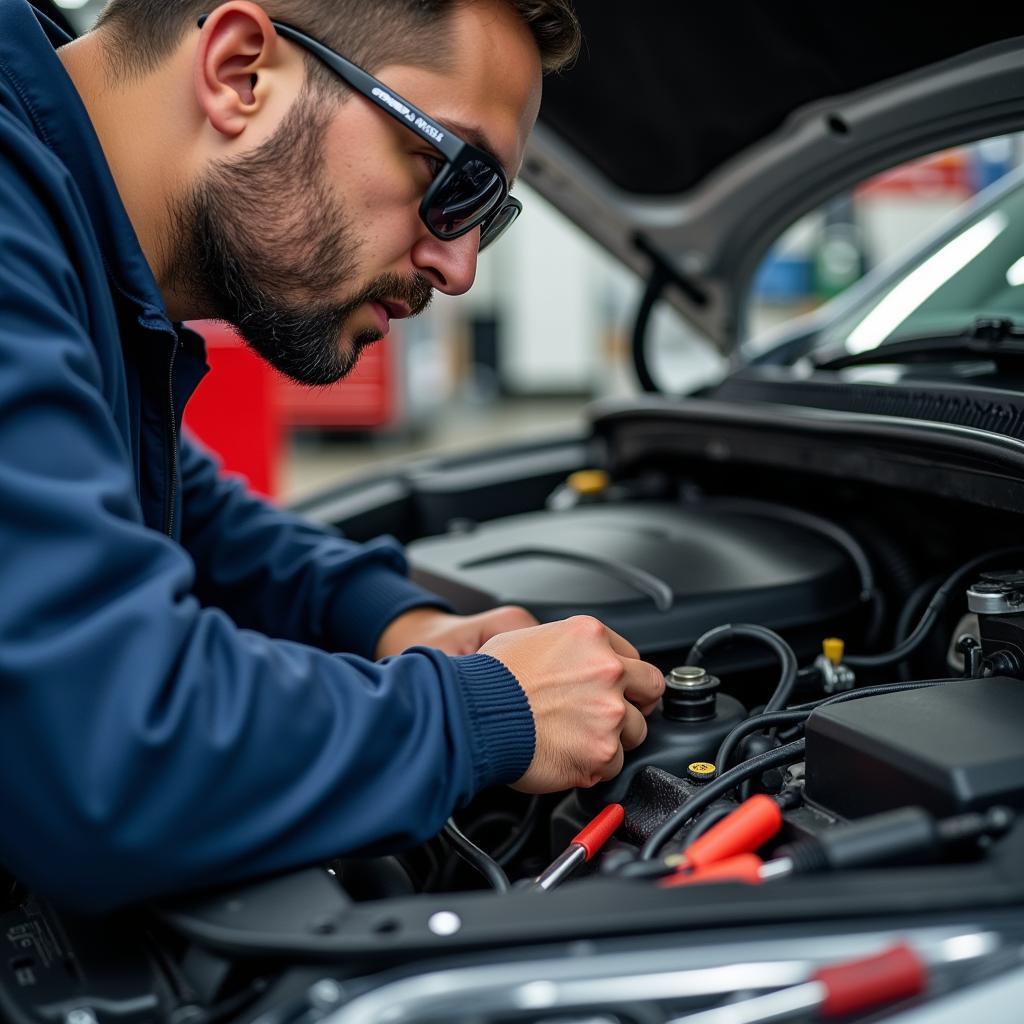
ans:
(513, 846)
(752, 725)
(910, 614)
(720, 634)
(711, 792)
(706, 821)
(475, 857)
(931, 614)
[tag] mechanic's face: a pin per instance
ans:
(311, 243)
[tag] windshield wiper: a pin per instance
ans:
(988, 338)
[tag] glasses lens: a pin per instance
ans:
(464, 199)
(499, 222)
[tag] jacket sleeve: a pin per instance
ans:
(275, 572)
(149, 744)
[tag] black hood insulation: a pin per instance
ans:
(664, 93)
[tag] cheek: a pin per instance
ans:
(387, 222)
(376, 185)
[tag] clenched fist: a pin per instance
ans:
(589, 692)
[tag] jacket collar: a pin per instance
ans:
(28, 41)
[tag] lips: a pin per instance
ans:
(396, 310)
(383, 317)
(387, 311)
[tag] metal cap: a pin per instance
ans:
(690, 694)
(687, 676)
(997, 593)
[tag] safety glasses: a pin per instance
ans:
(470, 189)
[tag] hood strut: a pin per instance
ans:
(662, 275)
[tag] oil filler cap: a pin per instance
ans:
(701, 771)
(690, 694)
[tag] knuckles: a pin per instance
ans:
(607, 670)
(587, 627)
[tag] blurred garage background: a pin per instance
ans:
(545, 329)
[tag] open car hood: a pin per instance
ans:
(684, 142)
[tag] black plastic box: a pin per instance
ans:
(949, 748)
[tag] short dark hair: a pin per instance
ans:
(371, 33)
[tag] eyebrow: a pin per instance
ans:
(478, 139)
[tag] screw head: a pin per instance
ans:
(444, 922)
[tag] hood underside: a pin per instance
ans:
(691, 137)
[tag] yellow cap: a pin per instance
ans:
(701, 768)
(589, 481)
(833, 649)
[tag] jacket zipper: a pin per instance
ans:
(172, 490)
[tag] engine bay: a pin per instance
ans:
(835, 777)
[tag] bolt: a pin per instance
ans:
(444, 923)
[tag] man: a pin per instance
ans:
(191, 684)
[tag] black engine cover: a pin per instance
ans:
(659, 574)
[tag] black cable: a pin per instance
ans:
(787, 680)
(712, 791)
(706, 821)
(475, 857)
(751, 725)
(909, 614)
(877, 618)
(652, 292)
(912, 607)
(513, 846)
(875, 691)
(931, 614)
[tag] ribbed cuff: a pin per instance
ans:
(501, 725)
(372, 599)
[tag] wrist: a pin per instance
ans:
(407, 629)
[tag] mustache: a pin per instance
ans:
(415, 292)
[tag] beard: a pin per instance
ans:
(261, 238)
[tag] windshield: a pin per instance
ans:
(975, 269)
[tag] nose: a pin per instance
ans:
(449, 266)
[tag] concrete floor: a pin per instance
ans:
(315, 461)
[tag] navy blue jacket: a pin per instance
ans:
(170, 713)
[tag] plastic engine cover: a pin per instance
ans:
(950, 748)
(658, 574)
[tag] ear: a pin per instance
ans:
(237, 53)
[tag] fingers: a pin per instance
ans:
(643, 684)
(634, 728)
(620, 645)
(507, 618)
(648, 709)
(588, 691)
(612, 768)
(496, 621)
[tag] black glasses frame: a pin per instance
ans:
(495, 217)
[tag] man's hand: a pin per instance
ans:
(589, 693)
(453, 634)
